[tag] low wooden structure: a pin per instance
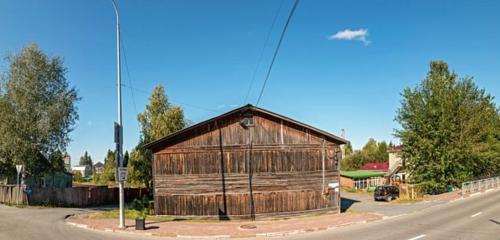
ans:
(244, 163)
(80, 196)
(361, 179)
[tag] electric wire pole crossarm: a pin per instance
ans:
(119, 126)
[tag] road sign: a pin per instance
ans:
(333, 185)
(122, 174)
(19, 168)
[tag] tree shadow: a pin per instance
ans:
(346, 203)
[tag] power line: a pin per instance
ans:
(262, 52)
(172, 100)
(128, 77)
(277, 49)
(132, 88)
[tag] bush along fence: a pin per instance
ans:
(82, 196)
(480, 185)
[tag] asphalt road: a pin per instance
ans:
(477, 217)
(48, 223)
(364, 202)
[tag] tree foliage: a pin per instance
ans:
(109, 167)
(57, 162)
(372, 151)
(450, 130)
(160, 118)
(37, 110)
(86, 160)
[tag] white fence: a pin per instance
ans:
(369, 182)
(480, 185)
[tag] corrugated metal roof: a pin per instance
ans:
(360, 174)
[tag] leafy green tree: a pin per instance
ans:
(158, 120)
(37, 110)
(109, 167)
(372, 151)
(86, 160)
(77, 176)
(57, 162)
(449, 129)
(348, 149)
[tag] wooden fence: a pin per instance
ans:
(411, 191)
(81, 196)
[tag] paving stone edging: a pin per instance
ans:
(268, 234)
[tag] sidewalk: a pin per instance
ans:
(444, 197)
(226, 229)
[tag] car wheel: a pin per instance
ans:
(389, 199)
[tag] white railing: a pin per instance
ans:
(480, 185)
(368, 183)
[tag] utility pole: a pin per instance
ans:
(118, 126)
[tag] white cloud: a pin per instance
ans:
(227, 106)
(348, 34)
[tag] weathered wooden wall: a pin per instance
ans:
(218, 168)
(67, 197)
(346, 182)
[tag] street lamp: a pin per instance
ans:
(118, 126)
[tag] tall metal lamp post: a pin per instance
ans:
(118, 126)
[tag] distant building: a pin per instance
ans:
(397, 166)
(52, 179)
(67, 162)
(83, 169)
(98, 168)
(361, 179)
(376, 166)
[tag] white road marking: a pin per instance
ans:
(477, 214)
(418, 237)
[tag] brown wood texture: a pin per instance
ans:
(82, 196)
(222, 168)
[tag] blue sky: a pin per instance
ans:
(205, 54)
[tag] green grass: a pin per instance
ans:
(129, 214)
(351, 190)
(132, 214)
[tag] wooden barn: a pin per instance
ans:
(245, 163)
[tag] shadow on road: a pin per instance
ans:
(346, 203)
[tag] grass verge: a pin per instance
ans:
(132, 214)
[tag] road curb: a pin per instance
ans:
(250, 235)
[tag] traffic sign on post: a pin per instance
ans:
(122, 174)
(19, 168)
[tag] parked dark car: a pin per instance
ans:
(386, 193)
